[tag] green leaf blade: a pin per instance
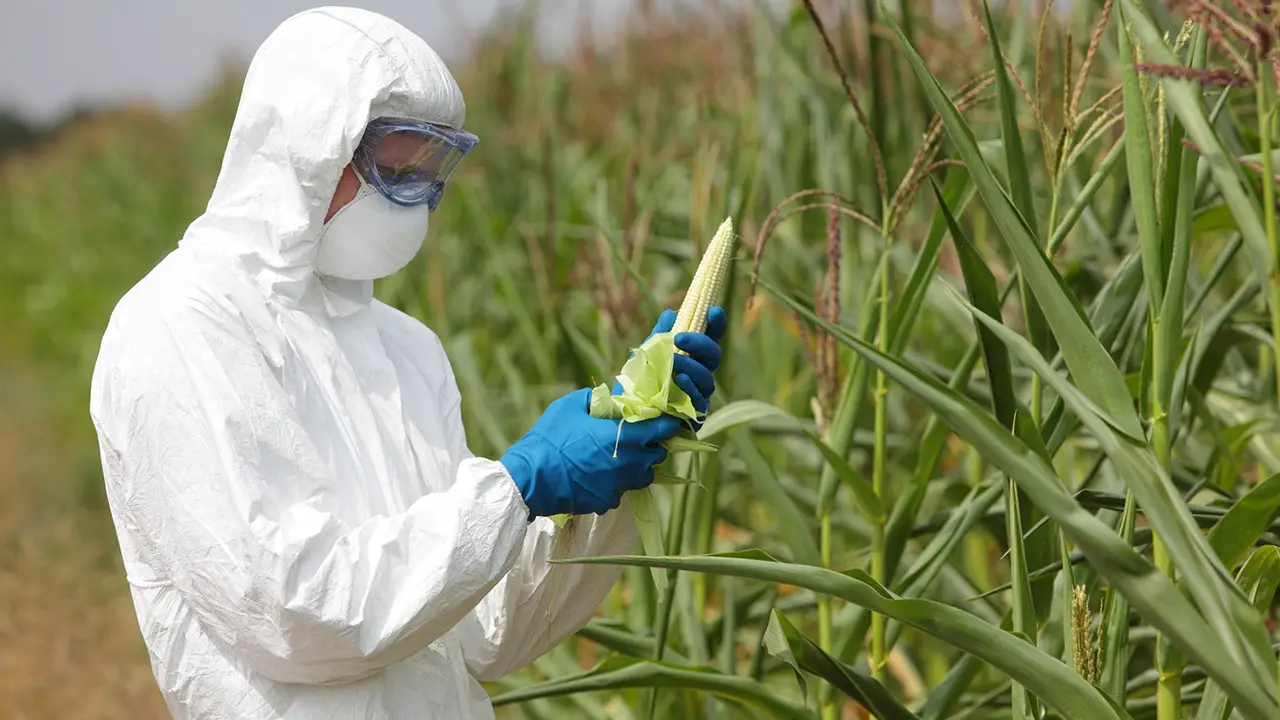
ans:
(785, 642)
(1086, 358)
(1046, 676)
(1148, 590)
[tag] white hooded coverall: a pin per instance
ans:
(304, 531)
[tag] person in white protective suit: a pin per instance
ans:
(304, 531)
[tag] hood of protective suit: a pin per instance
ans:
(304, 531)
(310, 90)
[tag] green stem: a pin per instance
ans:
(878, 564)
(1265, 106)
(830, 709)
(1169, 688)
(664, 617)
(1169, 661)
(839, 434)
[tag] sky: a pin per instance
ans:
(56, 54)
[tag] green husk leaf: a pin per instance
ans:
(649, 390)
(648, 387)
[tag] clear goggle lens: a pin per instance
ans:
(409, 161)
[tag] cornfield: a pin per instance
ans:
(997, 420)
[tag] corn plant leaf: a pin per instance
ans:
(1052, 681)
(1142, 187)
(1015, 155)
(852, 633)
(618, 638)
(648, 525)
(941, 702)
(1258, 577)
(792, 525)
(1214, 219)
(621, 672)
(1177, 219)
(1147, 590)
(1019, 179)
(1213, 340)
(1115, 621)
(681, 443)
(786, 643)
(1177, 216)
(981, 286)
(942, 546)
(869, 504)
(1166, 510)
(1101, 380)
(1184, 99)
(744, 412)
(1245, 522)
(1071, 650)
(1085, 356)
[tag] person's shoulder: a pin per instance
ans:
(143, 339)
(169, 297)
(399, 327)
(166, 312)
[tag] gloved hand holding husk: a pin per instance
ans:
(669, 377)
(591, 446)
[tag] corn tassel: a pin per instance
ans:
(649, 389)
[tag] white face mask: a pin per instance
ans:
(370, 237)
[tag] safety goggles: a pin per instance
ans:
(409, 161)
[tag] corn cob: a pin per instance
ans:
(649, 390)
(707, 280)
(656, 395)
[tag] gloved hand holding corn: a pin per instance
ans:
(647, 387)
(591, 447)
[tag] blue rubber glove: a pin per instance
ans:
(693, 373)
(566, 463)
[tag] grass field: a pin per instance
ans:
(1072, 255)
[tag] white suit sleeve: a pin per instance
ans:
(227, 492)
(537, 605)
